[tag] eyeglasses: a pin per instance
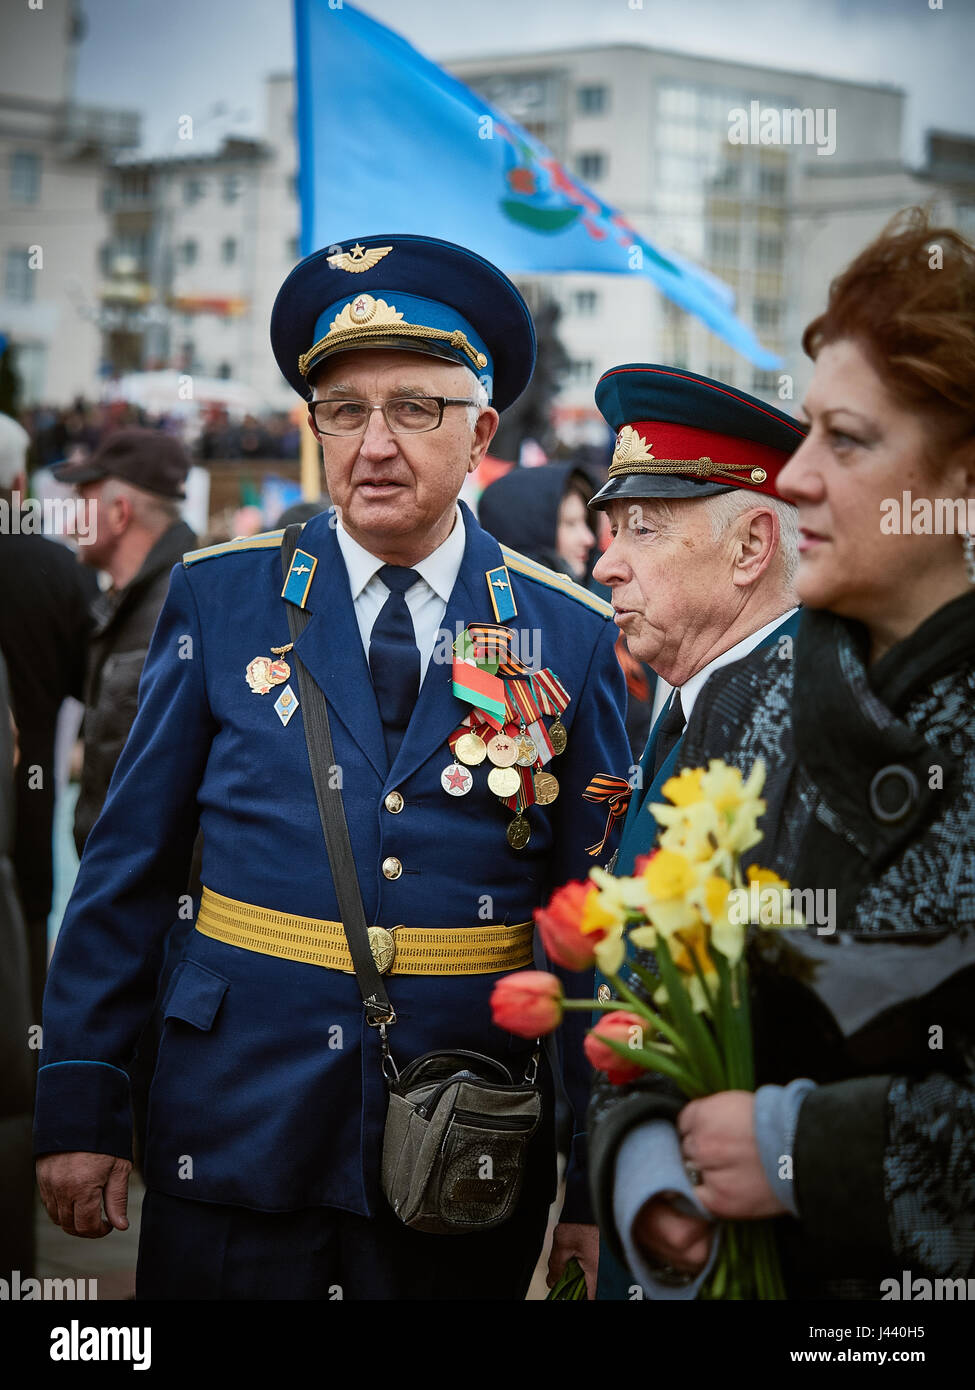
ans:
(403, 414)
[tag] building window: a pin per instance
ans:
(231, 188)
(771, 181)
(724, 245)
(765, 382)
(25, 177)
(192, 190)
(768, 250)
(187, 252)
(591, 165)
(224, 371)
(767, 313)
(584, 302)
(582, 371)
(294, 185)
(291, 249)
(591, 101)
(228, 250)
(18, 280)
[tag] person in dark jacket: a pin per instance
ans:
(44, 625)
(135, 483)
(864, 1034)
(544, 513)
(16, 1066)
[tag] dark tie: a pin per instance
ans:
(394, 659)
(671, 728)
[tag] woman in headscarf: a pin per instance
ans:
(862, 1140)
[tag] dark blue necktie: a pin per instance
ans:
(394, 659)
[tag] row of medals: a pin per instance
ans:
(507, 754)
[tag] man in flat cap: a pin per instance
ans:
(471, 695)
(134, 483)
(701, 566)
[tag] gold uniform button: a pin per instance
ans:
(604, 994)
(394, 803)
(392, 868)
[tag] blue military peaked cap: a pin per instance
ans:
(410, 292)
(684, 435)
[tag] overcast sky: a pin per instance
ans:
(168, 58)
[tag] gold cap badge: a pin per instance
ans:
(358, 259)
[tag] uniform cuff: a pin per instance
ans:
(83, 1107)
(649, 1163)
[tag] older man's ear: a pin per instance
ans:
(755, 545)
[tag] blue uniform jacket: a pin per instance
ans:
(268, 1081)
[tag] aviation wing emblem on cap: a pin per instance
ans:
(358, 259)
(631, 447)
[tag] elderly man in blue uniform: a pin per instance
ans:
(702, 566)
(268, 1103)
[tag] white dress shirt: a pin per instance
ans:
(426, 599)
(692, 687)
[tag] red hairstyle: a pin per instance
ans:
(908, 299)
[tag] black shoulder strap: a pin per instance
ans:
(321, 755)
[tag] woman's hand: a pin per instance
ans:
(670, 1237)
(717, 1141)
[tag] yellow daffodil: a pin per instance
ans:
(669, 875)
(685, 790)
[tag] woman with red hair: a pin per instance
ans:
(861, 1137)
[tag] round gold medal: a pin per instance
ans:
(546, 788)
(504, 781)
(470, 749)
(519, 832)
(558, 736)
(502, 750)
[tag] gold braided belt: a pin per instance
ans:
(396, 950)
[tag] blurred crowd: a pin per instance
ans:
(79, 428)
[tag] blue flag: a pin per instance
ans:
(389, 142)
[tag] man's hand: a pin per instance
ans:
(717, 1137)
(670, 1237)
(571, 1238)
(73, 1187)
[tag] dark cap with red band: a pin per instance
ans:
(683, 435)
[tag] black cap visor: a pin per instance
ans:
(656, 485)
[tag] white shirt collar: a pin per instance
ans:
(691, 688)
(439, 570)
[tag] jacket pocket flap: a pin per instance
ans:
(195, 995)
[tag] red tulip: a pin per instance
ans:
(560, 925)
(620, 1027)
(527, 1003)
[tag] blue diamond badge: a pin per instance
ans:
(286, 704)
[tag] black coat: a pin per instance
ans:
(44, 625)
(871, 794)
(124, 623)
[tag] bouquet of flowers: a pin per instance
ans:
(691, 906)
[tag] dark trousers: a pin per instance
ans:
(199, 1250)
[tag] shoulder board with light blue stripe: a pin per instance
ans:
(521, 564)
(267, 540)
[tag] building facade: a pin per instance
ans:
(53, 222)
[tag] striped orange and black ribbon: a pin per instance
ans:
(615, 792)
